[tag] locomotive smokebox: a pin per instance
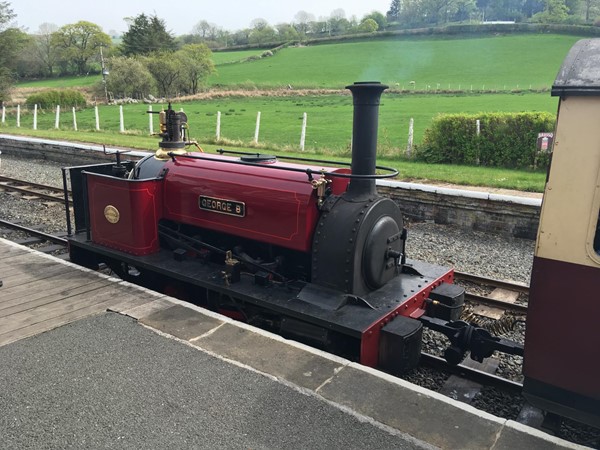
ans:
(366, 96)
(358, 246)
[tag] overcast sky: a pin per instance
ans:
(180, 17)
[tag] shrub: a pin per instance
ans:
(505, 139)
(62, 97)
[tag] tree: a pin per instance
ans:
(337, 22)
(465, 9)
(78, 43)
(262, 32)
(146, 35)
(46, 52)
(12, 40)
(166, 70)
(393, 14)
(197, 64)
(203, 29)
(129, 77)
(302, 21)
(259, 24)
(555, 11)
(377, 17)
(590, 7)
(27, 64)
(367, 26)
(6, 15)
(241, 37)
(286, 32)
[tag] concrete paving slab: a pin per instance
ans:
(139, 312)
(515, 435)
(418, 412)
(181, 322)
(271, 356)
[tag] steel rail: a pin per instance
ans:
(483, 378)
(509, 285)
(514, 307)
(29, 183)
(26, 186)
(37, 233)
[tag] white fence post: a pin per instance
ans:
(218, 131)
(35, 116)
(121, 123)
(150, 122)
(74, 119)
(18, 116)
(97, 117)
(303, 133)
(3, 114)
(478, 133)
(409, 145)
(257, 127)
(57, 118)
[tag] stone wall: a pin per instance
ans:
(480, 211)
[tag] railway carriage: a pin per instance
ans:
(562, 342)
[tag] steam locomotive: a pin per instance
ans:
(309, 249)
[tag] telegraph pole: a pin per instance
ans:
(104, 73)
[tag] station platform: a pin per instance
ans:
(90, 361)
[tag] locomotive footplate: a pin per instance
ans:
(343, 324)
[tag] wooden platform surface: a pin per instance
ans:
(39, 293)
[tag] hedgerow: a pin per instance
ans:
(505, 139)
(62, 97)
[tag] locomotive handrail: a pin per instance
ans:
(393, 172)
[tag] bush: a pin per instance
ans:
(505, 139)
(63, 97)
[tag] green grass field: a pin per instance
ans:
(525, 180)
(496, 62)
(329, 117)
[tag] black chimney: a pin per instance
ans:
(366, 95)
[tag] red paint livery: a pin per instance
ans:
(280, 207)
(138, 204)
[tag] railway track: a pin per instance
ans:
(34, 238)
(34, 190)
(503, 295)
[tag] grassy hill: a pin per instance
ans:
(500, 62)
(494, 61)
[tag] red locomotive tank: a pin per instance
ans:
(124, 213)
(276, 207)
